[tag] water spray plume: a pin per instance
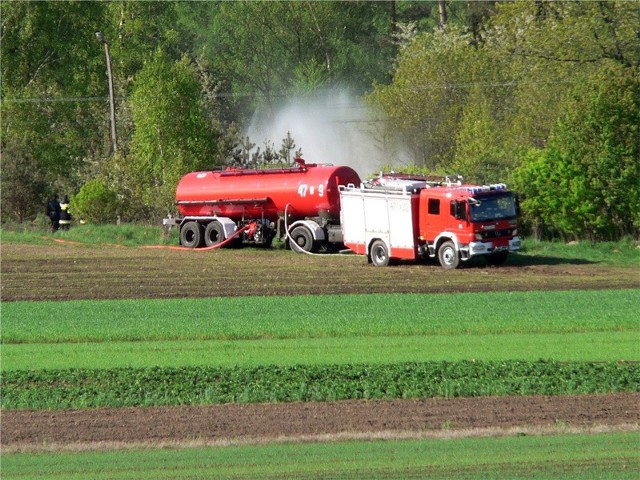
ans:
(334, 127)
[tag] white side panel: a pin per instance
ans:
(392, 216)
(368, 215)
(352, 216)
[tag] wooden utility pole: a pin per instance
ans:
(394, 18)
(442, 9)
(112, 101)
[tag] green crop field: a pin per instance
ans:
(157, 337)
(605, 457)
(321, 316)
(590, 346)
(568, 326)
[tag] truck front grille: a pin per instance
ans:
(496, 233)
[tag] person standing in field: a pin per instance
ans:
(65, 216)
(53, 211)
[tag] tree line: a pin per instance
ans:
(544, 95)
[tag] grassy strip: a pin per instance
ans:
(91, 235)
(320, 316)
(604, 456)
(624, 252)
(607, 346)
(129, 387)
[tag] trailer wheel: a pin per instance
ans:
(448, 256)
(213, 234)
(303, 239)
(191, 235)
(379, 254)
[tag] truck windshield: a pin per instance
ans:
(489, 208)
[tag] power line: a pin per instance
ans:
(416, 89)
(55, 100)
(508, 84)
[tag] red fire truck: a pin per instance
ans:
(407, 217)
(392, 216)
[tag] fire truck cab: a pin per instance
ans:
(407, 217)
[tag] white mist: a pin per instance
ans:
(335, 128)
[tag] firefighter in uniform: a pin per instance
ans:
(65, 216)
(53, 211)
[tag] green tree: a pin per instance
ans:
(478, 150)
(537, 191)
(586, 184)
(137, 29)
(506, 76)
(172, 135)
(51, 83)
(134, 31)
(545, 48)
(24, 186)
(267, 51)
(426, 100)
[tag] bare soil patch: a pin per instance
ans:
(75, 272)
(222, 424)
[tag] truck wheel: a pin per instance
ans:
(213, 234)
(379, 254)
(448, 256)
(191, 235)
(303, 239)
(497, 258)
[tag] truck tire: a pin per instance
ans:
(303, 239)
(191, 235)
(379, 253)
(213, 234)
(448, 256)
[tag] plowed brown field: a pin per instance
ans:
(70, 271)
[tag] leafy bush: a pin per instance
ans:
(95, 202)
(127, 387)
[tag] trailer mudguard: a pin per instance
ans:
(316, 230)
(228, 225)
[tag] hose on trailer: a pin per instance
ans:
(204, 249)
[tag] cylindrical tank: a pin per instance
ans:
(309, 190)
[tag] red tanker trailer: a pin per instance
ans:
(215, 205)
